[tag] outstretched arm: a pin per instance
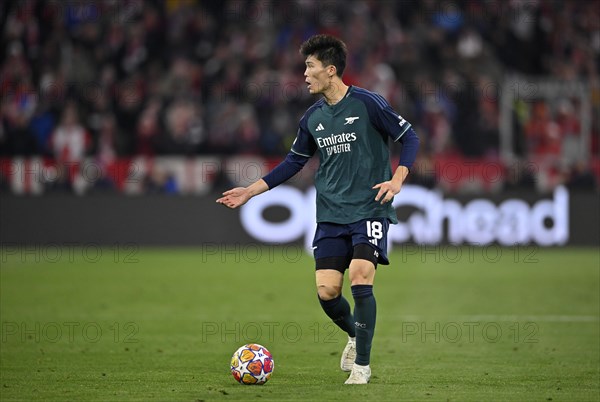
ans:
(238, 196)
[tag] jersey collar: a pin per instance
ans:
(341, 102)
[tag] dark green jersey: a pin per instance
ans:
(352, 139)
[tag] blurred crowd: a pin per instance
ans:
(119, 78)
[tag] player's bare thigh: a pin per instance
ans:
(362, 272)
(329, 283)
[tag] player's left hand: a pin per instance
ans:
(387, 191)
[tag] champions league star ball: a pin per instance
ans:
(252, 364)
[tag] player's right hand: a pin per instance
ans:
(235, 197)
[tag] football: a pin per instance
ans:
(252, 364)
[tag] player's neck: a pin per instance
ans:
(336, 92)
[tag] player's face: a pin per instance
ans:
(317, 76)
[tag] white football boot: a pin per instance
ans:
(359, 375)
(348, 355)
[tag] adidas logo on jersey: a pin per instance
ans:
(320, 127)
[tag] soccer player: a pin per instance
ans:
(349, 127)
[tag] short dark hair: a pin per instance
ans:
(327, 49)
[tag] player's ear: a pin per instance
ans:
(331, 70)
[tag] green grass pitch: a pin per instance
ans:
(460, 324)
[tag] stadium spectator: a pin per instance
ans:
(70, 141)
(160, 181)
(543, 134)
(148, 129)
(184, 129)
(570, 133)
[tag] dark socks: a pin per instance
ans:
(365, 310)
(338, 310)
